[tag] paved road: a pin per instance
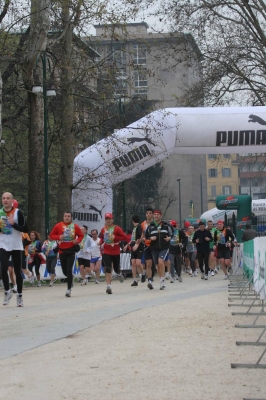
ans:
(172, 344)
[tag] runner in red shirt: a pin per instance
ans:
(68, 236)
(110, 236)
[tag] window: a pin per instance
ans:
(213, 191)
(140, 81)
(121, 82)
(226, 172)
(227, 190)
(212, 156)
(227, 155)
(118, 56)
(212, 173)
(139, 53)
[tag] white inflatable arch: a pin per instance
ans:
(152, 139)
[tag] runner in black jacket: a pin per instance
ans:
(222, 238)
(202, 237)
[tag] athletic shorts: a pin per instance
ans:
(95, 259)
(156, 254)
(137, 255)
(224, 254)
(146, 255)
(83, 261)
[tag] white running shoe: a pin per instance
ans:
(162, 285)
(97, 281)
(215, 271)
(206, 277)
(109, 289)
(84, 282)
(172, 280)
(121, 278)
(209, 273)
(15, 289)
(68, 293)
(51, 284)
(167, 276)
(180, 278)
(202, 275)
(226, 277)
(39, 284)
(212, 273)
(19, 301)
(7, 297)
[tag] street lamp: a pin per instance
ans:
(179, 190)
(46, 93)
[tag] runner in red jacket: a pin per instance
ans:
(110, 236)
(68, 236)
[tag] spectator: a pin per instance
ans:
(249, 234)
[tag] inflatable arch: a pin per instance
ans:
(152, 139)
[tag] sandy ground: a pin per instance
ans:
(135, 344)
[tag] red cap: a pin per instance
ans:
(157, 212)
(220, 222)
(108, 215)
(172, 222)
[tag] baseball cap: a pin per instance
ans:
(172, 222)
(108, 215)
(220, 222)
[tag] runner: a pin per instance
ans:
(222, 238)
(191, 250)
(202, 238)
(137, 247)
(96, 255)
(12, 223)
(147, 260)
(160, 234)
(175, 249)
(50, 249)
(68, 236)
(212, 258)
(35, 260)
(26, 242)
(84, 255)
(110, 236)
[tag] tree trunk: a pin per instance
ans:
(39, 26)
(67, 140)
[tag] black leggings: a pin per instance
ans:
(67, 262)
(51, 264)
(176, 264)
(203, 258)
(16, 258)
(35, 263)
(192, 256)
(112, 261)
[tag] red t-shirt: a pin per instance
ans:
(112, 246)
(70, 231)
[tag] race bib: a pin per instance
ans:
(69, 233)
(6, 228)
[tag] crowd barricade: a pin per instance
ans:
(251, 256)
(44, 275)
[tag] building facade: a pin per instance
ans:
(159, 68)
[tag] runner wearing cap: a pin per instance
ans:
(110, 236)
(176, 244)
(160, 234)
(222, 238)
(147, 260)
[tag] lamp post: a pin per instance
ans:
(179, 190)
(46, 93)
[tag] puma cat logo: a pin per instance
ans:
(96, 209)
(255, 118)
(135, 139)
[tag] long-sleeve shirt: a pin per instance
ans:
(110, 238)
(70, 232)
(204, 245)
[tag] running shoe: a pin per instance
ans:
(226, 277)
(212, 273)
(109, 289)
(51, 284)
(39, 284)
(31, 279)
(15, 289)
(215, 271)
(121, 278)
(162, 285)
(19, 300)
(84, 282)
(7, 297)
(180, 278)
(150, 285)
(68, 293)
(96, 281)
(143, 278)
(206, 277)
(202, 275)
(209, 273)
(167, 276)
(172, 280)
(135, 283)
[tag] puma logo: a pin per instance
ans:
(255, 118)
(135, 139)
(96, 209)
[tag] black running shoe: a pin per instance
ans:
(135, 283)
(143, 278)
